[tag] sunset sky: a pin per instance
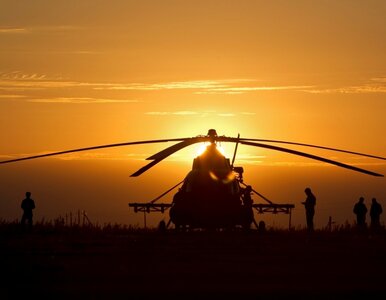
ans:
(83, 73)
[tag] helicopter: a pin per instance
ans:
(213, 194)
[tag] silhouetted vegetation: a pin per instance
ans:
(114, 261)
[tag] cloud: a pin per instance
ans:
(195, 113)
(241, 90)
(18, 80)
(168, 113)
(247, 159)
(12, 30)
(229, 86)
(379, 79)
(38, 29)
(13, 96)
(375, 85)
(226, 115)
(174, 85)
(103, 155)
(80, 100)
(350, 90)
(184, 113)
(18, 75)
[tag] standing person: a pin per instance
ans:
(360, 210)
(27, 205)
(375, 212)
(309, 205)
(247, 215)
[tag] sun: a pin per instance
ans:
(202, 148)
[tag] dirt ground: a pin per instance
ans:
(74, 264)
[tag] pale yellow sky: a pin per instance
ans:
(83, 73)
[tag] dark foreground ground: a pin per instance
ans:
(75, 263)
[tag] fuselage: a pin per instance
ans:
(210, 194)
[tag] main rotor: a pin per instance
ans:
(212, 134)
(212, 137)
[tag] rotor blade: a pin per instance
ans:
(234, 153)
(329, 161)
(91, 148)
(167, 152)
(145, 168)
(314, 146)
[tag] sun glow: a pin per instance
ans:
(202, 148)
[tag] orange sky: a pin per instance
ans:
(83, 73)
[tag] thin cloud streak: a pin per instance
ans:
(78, 100)
(18, 75)
(12, 96)
(257, 88)
(376, 85)
(191, 113)
(13, 30)
(207, 86)
(39, 29)
(18, 80)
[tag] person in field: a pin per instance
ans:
(375, 213)
(27, 206)
(309, 205)
(360, 210)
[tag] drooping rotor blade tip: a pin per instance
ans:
(315, 146)
(329, 161)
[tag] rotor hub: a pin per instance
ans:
(212, 135)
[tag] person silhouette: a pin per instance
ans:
(309, 205)
(360, 210)
(162, 226)
(27, 205)
(375, 212)
(247, 200)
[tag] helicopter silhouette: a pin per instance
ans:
(212, 193)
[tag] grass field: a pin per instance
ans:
(120, 262)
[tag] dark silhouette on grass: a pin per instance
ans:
(309, 205)
(27, 205)
(247, 215)
(360, 210)
(375, 213)
(262, 227)
(162, 226)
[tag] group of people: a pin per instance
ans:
(360, 210)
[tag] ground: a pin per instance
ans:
(74, 263)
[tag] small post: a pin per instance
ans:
(289, 221)
(330, 222)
